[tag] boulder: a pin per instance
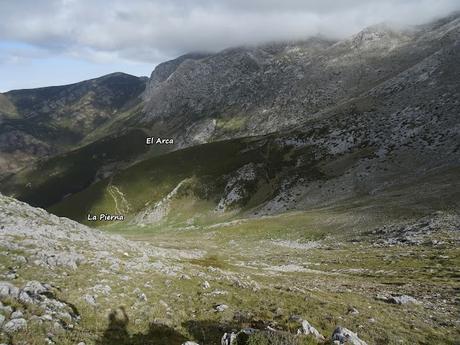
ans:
(25, 298)
(102, 289)
(6, 309)
(14, 325)
(221, 307)
(308, 329)
(34, 288)
(403, 299)
(228, 338)
(8, 290)
(17, 315)
(345, 336)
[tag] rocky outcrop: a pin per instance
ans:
(38, 305)
(416, 232)
(238, 188)
(308, 329)
(159, 211)
(257, 90)
(342, 335)
(398, 299)
(32, 239)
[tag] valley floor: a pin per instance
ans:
(390, 280)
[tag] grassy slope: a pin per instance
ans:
(150, 180)
(48, 181)
(7, 108)
(347, 270)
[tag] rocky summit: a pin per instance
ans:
(290, 193)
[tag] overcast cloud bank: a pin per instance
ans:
(146, 32)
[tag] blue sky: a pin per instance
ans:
(25, 66)
(53, 42)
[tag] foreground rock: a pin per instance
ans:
(342, 335)
(401, 299)
(34, 302)
(221, 308)
(308, 329)
(14, 325)
(228, 338)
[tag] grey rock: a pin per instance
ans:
(228, 338)
(24, 297)
(402, 299)
(190, 343)
(308, 329)
(221, 307)
(46, 317)
(102, 289)
(90, 299)
(6, 309)
(345, 336)
(14, 325)
(17, 314)
(20, 259)
(11, 275)
(34, 288)
(8, 290)
(352, 311)
(248, 331)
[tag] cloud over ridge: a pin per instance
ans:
(147, 32)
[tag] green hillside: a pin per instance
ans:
(204, 166)
(48, 181)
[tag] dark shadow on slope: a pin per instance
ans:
(209, 332)
(157, 334)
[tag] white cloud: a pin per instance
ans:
(153, 30)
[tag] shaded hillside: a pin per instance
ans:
(50, 180)
(42, 122)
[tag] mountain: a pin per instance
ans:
(258, 90)
(311, 196)
(39, 123)
(349, 119)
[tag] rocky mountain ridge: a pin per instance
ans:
(199, 98)
(258, 90)
(379, 89)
